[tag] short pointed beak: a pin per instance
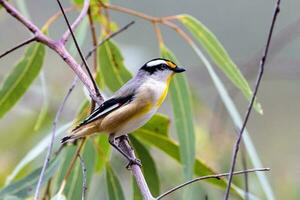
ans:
(178, 69)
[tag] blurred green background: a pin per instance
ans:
(242, 28)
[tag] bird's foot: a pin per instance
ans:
(133, 162)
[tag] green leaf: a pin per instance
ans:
(159, 123)
(182, 109)
(171, 148)
(112, 68)
(35, 152)
(218, 54)
(25, 187)
(103, 149)
(21, 77)
(237, 120)
(114, 189)
(149, 171)
(73, 188)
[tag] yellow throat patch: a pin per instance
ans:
(165, 92)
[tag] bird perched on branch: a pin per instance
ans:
(131, 106)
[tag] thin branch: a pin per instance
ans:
(94, 39)
(130, 12)
(158, 34)
(217, 176)
(84, 184)
(259, 77)
(57, 46)
(18, 46)
(136, 170)
(77, 46)
(108, 37)
(60, 49)
(50, 147)
(15, 13)
(54, 17)
(77, 21)
(244, 163)
(74, 159)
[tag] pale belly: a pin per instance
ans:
(135, 123)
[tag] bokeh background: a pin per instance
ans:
(242, 28)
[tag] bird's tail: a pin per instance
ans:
(80, 132)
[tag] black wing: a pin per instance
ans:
(106, 108)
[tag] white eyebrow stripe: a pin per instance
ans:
(155, 62)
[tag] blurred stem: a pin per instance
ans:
(249, 109)
(215, 176)
(244, 163)
(155, 20)
(94, 40)
(69, 170)
(130, 12)
(55, 17)
(158, 34)
(74, 159)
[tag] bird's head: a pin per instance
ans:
(161, 68)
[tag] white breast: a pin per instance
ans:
(154, 90)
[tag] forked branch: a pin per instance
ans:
(250, 106)
(217, 176)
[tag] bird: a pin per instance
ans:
(131, 106)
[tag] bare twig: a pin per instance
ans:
(77, 21)
(108, 37)
(86, 6)
(18, 46)
(94, 39)
(259, 77)
(244, 163)
(50, 147)
(74, 159)
(217, 176)
(84, 184)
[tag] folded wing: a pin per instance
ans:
(106, 108)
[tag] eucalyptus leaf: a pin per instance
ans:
(21, 77)
(25, 187)
(114, 189)
(112, 68)
(159, 123)
(150, 170)
(171, 148)
(35, 152)
(238, 122)
(74, 188)
(218, 54)
(103, 150)
(183, 117)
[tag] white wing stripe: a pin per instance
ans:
(104, 111)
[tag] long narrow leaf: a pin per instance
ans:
(171, 148)
(237, 120)
(114, 189)
(74, 185)
(150, 171)
(112, 68)
(181, 102)
(25, 187)
(21, 77)
(103, 150)
(35, 152)
(218, 54)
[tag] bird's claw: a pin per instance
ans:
(133, 162)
